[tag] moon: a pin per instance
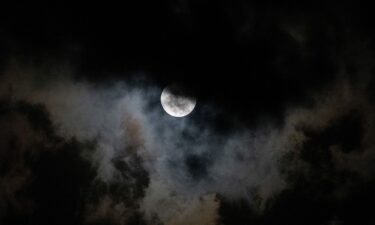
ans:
(177, 101)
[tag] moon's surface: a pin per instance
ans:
(176, 101)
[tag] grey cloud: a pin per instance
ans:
(185, 161)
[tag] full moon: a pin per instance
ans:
(176, 101)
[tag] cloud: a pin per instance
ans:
(171, 170)
(125, 121)
(17, 135)
(39, 169)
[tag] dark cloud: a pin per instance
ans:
(196, 166)
(46, 180)
(282, 132)
(41, 173)
(324, 184)
(138, 165)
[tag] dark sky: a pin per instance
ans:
(285, 113)
(239, 54)
(200, 43)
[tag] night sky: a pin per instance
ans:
(283, 131)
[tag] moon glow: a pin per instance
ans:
(176, 101)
